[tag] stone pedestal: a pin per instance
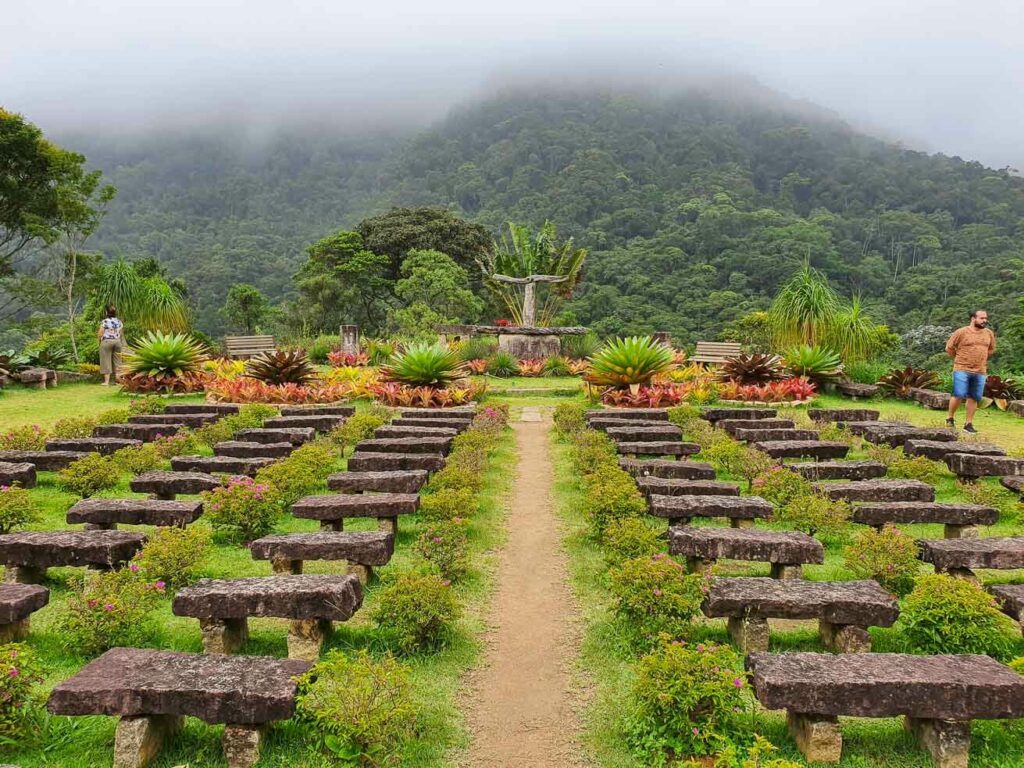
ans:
(139, 739)
(699, 565)
(816, 736)
(224, 635)
(306, 638)
(529, 347)
(362, 572)
(844, 638)
(285, 566)
(749, 635)
(741, 522)
(388, 525)
(350, 339)
(787, 572)
(960, 531)
(23, 574)
(242, 745)
(947, 741)
(14, 632)
(332, 525)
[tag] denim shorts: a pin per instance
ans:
(967, 384)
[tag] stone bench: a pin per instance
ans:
(391, 431)
(332, 509)
(1016, 407)
(969, 466)
(147, 433)
(151, 691)
(1011, 601)
(319, 423)
(842, 414)
(310, 602)
(17, 603)
(643, 434)
(603, 424)
(191, 420)
(844, 610)
(43, 461)
(409, 481)
(895, 436)
(930, 398)
(1013, 483)
(672, 486)
(222, 409)
(758, 435)
(101, 445)
(167, 485)
(459, 425)
(293, 435)
(856, 391)
(797, 449)
(839, 470)
(37, 378)
(959, 557)
(250, 449)
(658, 448)
(27, 555)
(740, 510)
(785, 551)
(628, 414)
(23, 474)
(228, 465)
(393, 462)
(731, 425)
(718, 414)
(362, 551)
(318, 410)
(877, 490)
(681, 470)
(106, 514)
(937, 450)
(938, 695)
(433, 445)
(456, 412)
(959, 520)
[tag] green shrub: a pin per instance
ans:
(445, 545)
(357, 428)
(416, 613)
(610, 494)
(455, 476)
(478, 348)
(556, 365)
(420, 364)
(814, 514)
(321, 346)
(754, 464)
(1017, 665)
(16, 508)
(655, 595)
(475, 442)
(136, 459)
(249, 416)
(301, 474)
(146, 406)
(684, 415)
(364, 706)
(491, 420)
(889, 556)
(629, 538)
(89, 475)
(174, 555)
(114, 416)
(946, 614)
(112, 609)
(448, 503)
(182, 443)
(30, 437)
(570, 418)
(20, 673)
(686, 701)
(245, 508)
(73, 427)
(899, 465)
(592, 450)
(988, 494)
(214, 432)
(726, 455)
(780, 485)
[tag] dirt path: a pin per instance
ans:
(522, 712)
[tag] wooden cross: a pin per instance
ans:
(529, 315)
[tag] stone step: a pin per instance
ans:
(878, 490)
(960, 556)
(1010, 598)
(466, 412)
(897, 436)
(681, 470)
(628, 414)
(1016, 407)
(319, 423)
(223, 409)
(108, 513)
(391, 462)
(191, 420)
(293, 435)
(167, 485)
(391, 431)
(755, 435)
(248, 449)
(333, 509)
(409, 481)
(795, 449)
(838, 470)
(731, 425)
(43, 461)
(22, 473)
(679, 509)
(718, 414)
(318, 410)
(971, 466)
(144, 432)
(229, 465)
(1013, 483)
(668, 486)
(291, 596)
(459, 425)
(27, 555)
(658, 448)
(959, 519)
(785, 550)
(842, 414)
(101, 445)
(602, 425)
(433, 445)
(17, 603)
(288, 551)
(861, 426)
(645, 433)
(857, 391)
(937, 450)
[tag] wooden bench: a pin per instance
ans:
(244, 347)
(151, 691)
(938, 695)
(716, 352)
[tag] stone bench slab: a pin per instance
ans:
(842, 414)
(249, 449)
(111, 512)
(718, 414)
(55, 549)
(19, 601)
(391, 431)
(658, 448)
(629, 414)
(222, 409)
(910, 512)
(391, 462)
(758, 435)
(293, 435)
(968, 465)
(43, 461)
(192, 420)
(409, 481)
(1010, 598)
(839, 470)
(430, 445)
(794, 449)
(318, 410)
(733, 507)
(631, 434)
(318, 423)
(897, 436)
(463, 413)
(1013, 483)
(860, 603)
(458, 425)
(23, 473)
(669, 486)
(878, 490)
(602, 424)
(680, 470)
(170, 484)
(302, 596)
(371, 548)
(855, 390)
(338, 506)
(147, 433)
(102, 445)
(219, 464)
(955, 555)
(709, 543)
(937, 450)
(731, 425)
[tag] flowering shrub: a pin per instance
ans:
(142, 406)
(358, 380)
(181, 443)
(73, 427)
(592, 450)
(301, 473)
(478, 366)
(531, 368)
(416, 612)
(686, 700)
(111, 609)
(337, 359)
(20, 672)
(16, 508)
(136, 459)
(627, 539)
(610, 494)
(356, 428)
(813, 513)
(174, 555)
(899, 465)
(447, 503)
(249, 416)
(888, 556)
(780, 485)
(446, 546)
(490, 419)
(31, 437)
(655, 595)
(244, 507)
(89, 475)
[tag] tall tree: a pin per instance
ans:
(245, 307)
(435, 291)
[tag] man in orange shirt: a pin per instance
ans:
(970, 347)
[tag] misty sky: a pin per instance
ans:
(940, 75)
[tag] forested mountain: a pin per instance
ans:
(694, 208)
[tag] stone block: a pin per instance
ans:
(428, 445)
(459, 425)
(842, 414)
(368, 548)
(644, 434)
(138, 740)
(227, 465)
(748, 634)
(757, 435)
(338, 506)
(731, 425)
(658, 448)
(390, 462)
(680, 470)
(878, 490)
(39, 550)
(877, 514)
(960, 556)
(43, 461)
(408, 481)
(682, 508)
(711, 543)
(856, 391)
(167, 485)
(303, 596)
(318, 410)
(319, 423)
(948, 742)
(937, 450)
(147, 433)
(667, 486)
(389, 431)
(102, 445)
(968, 465)
(839, 470)
(818, 738)
(107, 513)
(794, 449)
(1016, 407)
(293, 435)
(717, 414)
(221, 409)
(190, 420)
(929, 398)
(1013, 483)
(250, 449)
(23, 474)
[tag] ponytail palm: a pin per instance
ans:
(144, 303)
(854, 334)
(805, 310)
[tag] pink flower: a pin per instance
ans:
(108, 607)
(437, 539)
(14, 672)
(738, 682)
(657, 592)
(91, 603)
(696, 731)
(700, 647)
(133, 567)
(159, 585)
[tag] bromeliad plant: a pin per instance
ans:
(755, 368)
(816, 364)
(629, 362)
(279, 367)
(425, 365)
(164, 362)
(1002, 390)
(899, 382)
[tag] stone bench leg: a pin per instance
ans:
(741, 522)
(674, 521)
(14, 632)
(167, 496)
(332, 525)
(388, 524)
(844, 638)
(699, 565)
(24, 574)
(139, 739)
(100, 527)
(817, 736)
(224, 635)
(947, 741)
(749, 634)
(787, 571)
(960, 531)
(286, 566)
(362, 572)
(306, 638)
(242, 745)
